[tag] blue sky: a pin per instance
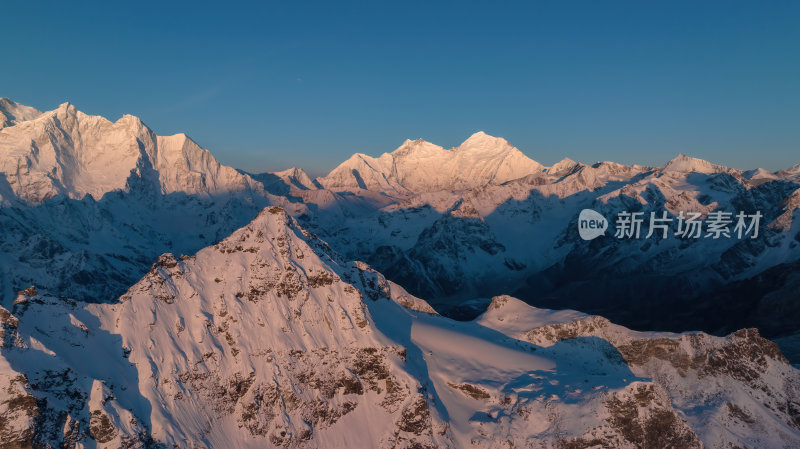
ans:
(271, 85)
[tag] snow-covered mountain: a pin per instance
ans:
(420, 166)
(66, 152)
(286, 182)
(471, 222)
(86, 204)
(12, 112)
(521, 236)
(475, 221)
(272, 335)
(271, 339)
(686, 164)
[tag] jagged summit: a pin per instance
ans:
(67, 106)
(687, 164)
(12, 113)
(759, 174)
(566, 162)
(420, 166)
(298, 178)
(67, 152)
(563, 167)
(285, 182)
(480, 140)
(792, 172)
(417, 148)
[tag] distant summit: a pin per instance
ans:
(12, 113)
(420, 166)
(686, 164)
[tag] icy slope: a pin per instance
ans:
(737, 391)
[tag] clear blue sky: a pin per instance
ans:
(298, 83)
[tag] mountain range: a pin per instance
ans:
(153, 297)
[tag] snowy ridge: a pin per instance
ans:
(686, 164)
(292, 181)
(740, 379)
(66, 152)
(12, 113)
(297, 178)
(420, 166)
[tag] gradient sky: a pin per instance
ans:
(279, 84)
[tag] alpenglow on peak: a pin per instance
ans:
(421, 166)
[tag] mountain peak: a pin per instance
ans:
(421, 166)
(415, 146)
(481, 135)
(66, 106)
(78, 155)
(270, 216)
(298, 178)
(413, 142)
(759, 173)
(12, 112)
(563, 166)
(682, 157)
(687, 164)
(481, 140)
(134, 123)
(293, 171)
